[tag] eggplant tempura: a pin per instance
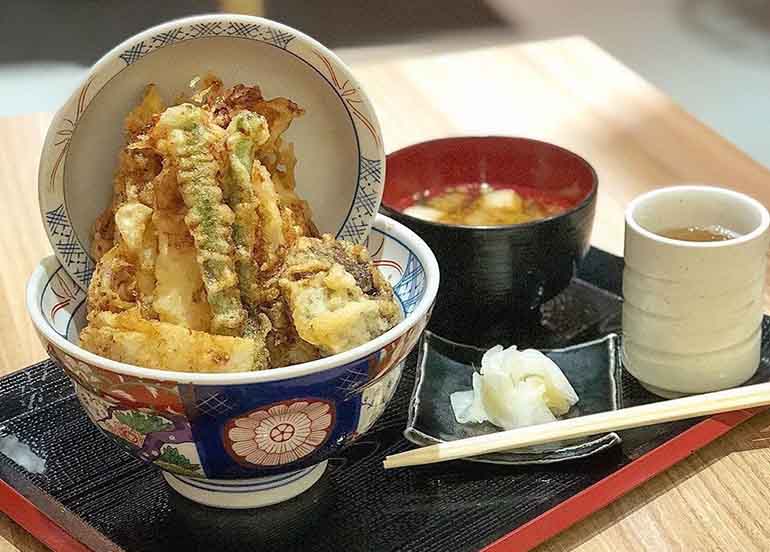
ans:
(207, 260)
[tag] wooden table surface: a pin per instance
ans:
(565, 91)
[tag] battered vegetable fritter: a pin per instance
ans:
(338, 298)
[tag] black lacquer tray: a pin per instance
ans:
(92, 495)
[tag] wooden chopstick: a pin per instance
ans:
(603, 422)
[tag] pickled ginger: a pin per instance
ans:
(514, 389)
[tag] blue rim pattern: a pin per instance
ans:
(268, 484)
(68, 247)
(365, 201)
(251, 31)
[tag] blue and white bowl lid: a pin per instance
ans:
(338, 142)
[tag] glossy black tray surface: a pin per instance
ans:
(110, 501)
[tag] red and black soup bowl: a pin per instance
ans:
(495, 278)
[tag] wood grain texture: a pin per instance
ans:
(568, 92)
(22, 238)
(23, 243)
(14, 538)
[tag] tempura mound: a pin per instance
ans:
(207, 260)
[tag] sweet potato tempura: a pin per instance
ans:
(208, 261)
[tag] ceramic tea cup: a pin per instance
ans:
(692, 309)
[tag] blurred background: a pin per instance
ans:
(711, 56)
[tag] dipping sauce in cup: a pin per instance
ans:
(695, 261)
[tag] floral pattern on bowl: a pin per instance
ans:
(280, 433)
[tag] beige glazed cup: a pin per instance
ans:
(692, 311)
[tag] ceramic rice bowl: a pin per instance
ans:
(248, 439)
